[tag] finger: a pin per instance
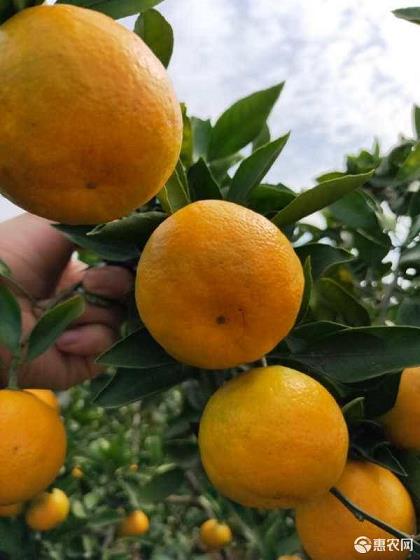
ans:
(35, 251)
(110, 316)
(72, 274)
(113, 282)
(86, 340)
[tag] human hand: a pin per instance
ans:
(40, 260)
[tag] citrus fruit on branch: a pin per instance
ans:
(273, 437)
(218, 285)
(90, 127)
(327, 529)
(32, 446)
(215, 535)
(135, 523)
(48, 510)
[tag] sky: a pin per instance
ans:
(350, 66)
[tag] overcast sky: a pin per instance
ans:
(351, 71)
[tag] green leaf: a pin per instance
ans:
(307, 272)
(130, 385)
(411, 463)
(356, 354)
(414, 230)
(416, 119)
(410, 169)
(116, 9)
(409, 14)
(133, 230)
(52, 324)
(174, 194)
(304, 335)
(162, 486)
(110, 250)
(409, 312)
(337, 298)
(186, 155)
(203, 185)
(357, 210)
(319, 197)
(242, 122)
(5, 271)
(11, 320)
(323, 257)
(201, 134)
(253, 169)
(263, 137)
(7, 9)
(137, 350)
(269, 199)
(157, 33)
(354, 410)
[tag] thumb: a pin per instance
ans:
(35, 252)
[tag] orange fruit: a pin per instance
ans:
(218, 285)
(48, 510)
(134, 524)
(327, 529)
(76, 472)
(91, 127)
(47, 396)
(215, 535)
(32, 446)
(11, 511)
(272, 438)
(402, 422)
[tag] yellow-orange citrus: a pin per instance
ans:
(32, 446)
(135, 523)
(327, 529)
(48, 510)
(47, 396)
(289, 557)
(215, 535)
(218, 285)
(273, 437)
(11, 511)
(76, 472)
(402, 422)
(91, 128)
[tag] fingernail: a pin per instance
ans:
(69, 338)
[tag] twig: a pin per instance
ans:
(362, 515)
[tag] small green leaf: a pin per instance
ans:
(52, 324)
(203, 185)
(409, 14)
(137, 350)
(10, 320)
(410, 257)
(409, 312)
(186, 155)
(242, 122)
(130, 385)
(174, 194)
(339, 300)
(263, 137)
(134, 230)
(354, 410)
(157, 33)
(323, 257)
(111, 250)
(356, 354)
(410, 169)
(269, 199)
(201, 134)
(416, 119)
(116, 9)
(5, 271)
(307, 271)
(318, 198)
(162, 486)
(253, 169)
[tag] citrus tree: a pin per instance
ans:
(262, 399)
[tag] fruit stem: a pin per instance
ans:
(362, 515)
(13, 373)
